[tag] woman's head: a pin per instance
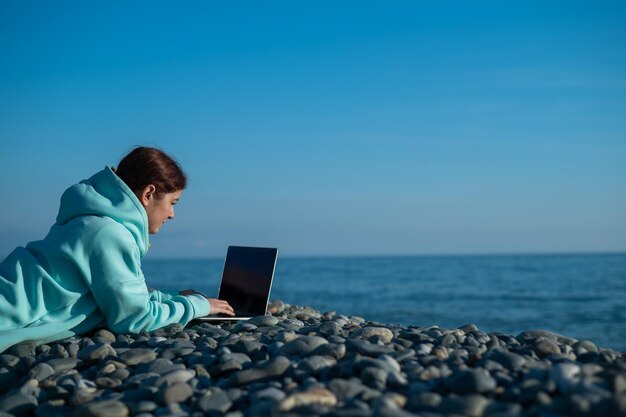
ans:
(156, 179)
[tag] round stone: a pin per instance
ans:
(366, 348)
(509, 360)
(261, 321)
(334, 350)
(271, 393)
(277, 307)
(23, 349)
(317, 396)
(143, 407)
(175, 377)
(276, 366)
(345, 389)
(63, 364)
(472, 405)
(176, 393)
(41, 371)
(18, 403)
(546, 347)
(160, 366)
(138, 355)
(315, 364)
(9, 361)
(566, 376)
(374, 377)
(105, 335)
(217, 402)
(467, 328)
(105, 408)
(385, 334)
(425, 401)
(301, 346)
(470, 381)
(586, 345)
(96, 352)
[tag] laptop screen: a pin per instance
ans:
(247, 278)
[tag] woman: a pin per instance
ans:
(86, 273)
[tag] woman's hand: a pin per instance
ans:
(221, 307)
(217, 306)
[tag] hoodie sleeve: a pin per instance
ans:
(156, 295)
(120, 291)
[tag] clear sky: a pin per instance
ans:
(327, 128)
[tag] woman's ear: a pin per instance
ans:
(147, 194)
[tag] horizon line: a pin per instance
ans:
(413, 255)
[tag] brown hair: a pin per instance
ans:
(144, 166)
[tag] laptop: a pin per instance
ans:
(246, 282)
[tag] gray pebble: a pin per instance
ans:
(469, 381)
(215, 402)
(41, 371)
(176, 393)
(315, 364)
(366, 348)
(63, 364)
(546, 347)
(271, 393)
(272, 368)
(18, 403)
(566, 376)
(366, 332)
(175, 377)
(301, 346)
(472, 405)
(261, 321)
(345, 389)
(121, 374)
(107, 382)
(509, 360)
(424, 401)
(254, 349)
(23, 349)
(330, 328)
(159, 365)
(136, 356)
(334, 350)
(72, 350)
(143, 407)
(105, 334)
(529, 335)
(104, 408)
(502, 409)
(8, 361)
(585, 345)
(96, 352)
(374, 377)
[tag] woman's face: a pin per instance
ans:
(159, 208)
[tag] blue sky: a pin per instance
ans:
(355, 128)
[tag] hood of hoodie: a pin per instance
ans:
(105, 194)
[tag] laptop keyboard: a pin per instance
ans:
(238, 313)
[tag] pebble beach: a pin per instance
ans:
(299, 361)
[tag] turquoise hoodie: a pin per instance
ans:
(86, 272)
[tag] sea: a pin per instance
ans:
(578, 295)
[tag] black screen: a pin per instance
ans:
(247, 278)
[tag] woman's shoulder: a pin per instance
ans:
(96, 230)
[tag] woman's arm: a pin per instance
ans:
(119, 288)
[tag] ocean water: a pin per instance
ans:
(582, 296)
